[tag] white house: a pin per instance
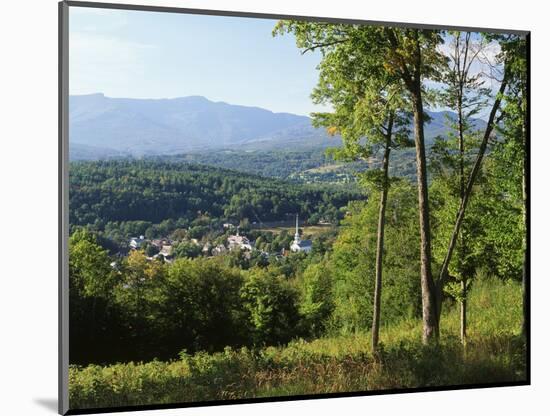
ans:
(239, 241)
(160, 242)
(166, 250)
(137, 242)
(299, 245)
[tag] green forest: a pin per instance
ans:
(122, 199)
(414, 279)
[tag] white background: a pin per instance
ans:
(28, 208)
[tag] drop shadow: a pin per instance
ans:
(49, 404)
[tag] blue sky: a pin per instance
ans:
(163, 55)
(136, 54)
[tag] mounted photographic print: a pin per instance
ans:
(260, 208)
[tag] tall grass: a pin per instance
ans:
(495, 353)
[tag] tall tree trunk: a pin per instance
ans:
(462, 243)
(380, 236)
(463, 294)
(413, 82)
(430, 324)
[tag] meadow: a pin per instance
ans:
(495, 353)
(289, 226)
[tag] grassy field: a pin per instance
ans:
(278, 226)
(495, 353)
(325, 168)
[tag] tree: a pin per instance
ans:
(272, 306)
(370, 115)
(187, 249)
(89, 269)
(510, 68)
(317, 303)
(151, 250)
(408, 56)
(414, 54)
(464, 91)
(200, 306)
(93, 315)
(515, 129)
(353, 254)
(137, 296)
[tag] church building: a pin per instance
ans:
(299, 245)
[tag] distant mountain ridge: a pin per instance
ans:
(101, 127)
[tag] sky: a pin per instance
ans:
(136, 54)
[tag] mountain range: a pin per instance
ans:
(101, 127)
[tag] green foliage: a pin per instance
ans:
(328, 291)
(153, 309)
(451, 162)
(156, 191)
(282, 164)
(319, 166)
(239, 320)
(326, 365)
(151, 250)
(187, 249)
(368, 101)
(200, 308)
(493, 230)
(507, 170)
(123, 199)
(352, 263)
(291, 265)
(271, 304)
(94, 316)
(317, 303)
(89, 270)
(504, 228)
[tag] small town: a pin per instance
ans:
(165, 248)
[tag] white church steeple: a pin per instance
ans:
(297, 234)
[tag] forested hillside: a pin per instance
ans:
(307, 166)
(129, 197)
